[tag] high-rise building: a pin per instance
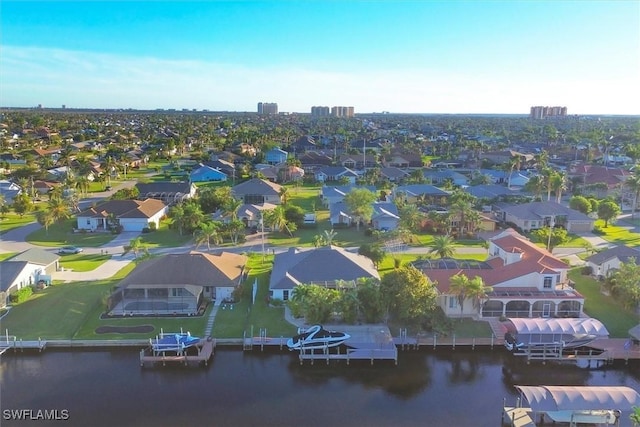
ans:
(342, 111)
(539, 112)
(320, 111)
(267, 108)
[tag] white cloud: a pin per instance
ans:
(52, 77)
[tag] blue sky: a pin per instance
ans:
(398, 56)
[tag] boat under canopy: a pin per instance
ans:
(550, 399)
(566, 332)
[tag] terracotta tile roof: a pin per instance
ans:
(533, 259)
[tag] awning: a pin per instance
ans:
(579, 398)
(587, 326)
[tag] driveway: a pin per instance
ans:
(15, 240)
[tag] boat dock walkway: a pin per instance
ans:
(12, 342)
(514, 416)
(205, 352)
(602, 350)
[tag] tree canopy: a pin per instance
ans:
(407, 294)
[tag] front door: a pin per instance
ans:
(546, 309)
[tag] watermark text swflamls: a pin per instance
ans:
(35, 414)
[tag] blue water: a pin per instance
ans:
(427, 388)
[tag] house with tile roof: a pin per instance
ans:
(587, 177)
(605, 263)
(178, 284)
(131, 215)
(257, 191)
(526, 281)
(323, 266)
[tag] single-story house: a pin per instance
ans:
(393, 174)
(251, 215)
(535, 215)
(335, 173)
(604, 263)
(492, 191)
(413, 192)
(131, 215)
(440, 176)
(206, 174)
(258, 191)
(26, 269)
(323, 266)
(48, 261)
(526, 281)
(385, 216)
(339, 214)
(335, 194)
(178, 284)
(358, 161)
(167, 191)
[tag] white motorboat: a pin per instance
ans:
(316, 337)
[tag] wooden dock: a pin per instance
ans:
(205, 351)
(600, 351)
(514, 416)
(354, 351)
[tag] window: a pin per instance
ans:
(285, 295)
(88, 221)
(453, 302)
(548, 282)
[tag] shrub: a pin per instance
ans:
(153, 226)
(587, 270)
(22, 295)
(146, 230)
(598, 230)
(276, 302)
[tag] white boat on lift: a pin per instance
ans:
(316, 337)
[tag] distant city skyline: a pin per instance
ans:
(429, 57)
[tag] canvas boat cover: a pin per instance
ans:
(579, 398)
(582, 326)
(635, 332)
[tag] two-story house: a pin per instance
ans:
(525, 281)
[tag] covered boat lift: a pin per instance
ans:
(549, 331)
(577, 404)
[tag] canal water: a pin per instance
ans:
(427, 388)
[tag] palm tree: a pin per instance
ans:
(208, 232)
(46, 219)
(442, 246)
(276, 219)
(458, 285)
(59, 209)
(558, 184)
(633, 182)
(284, 195)
(177, 215)
(136, 245)
(514, 163)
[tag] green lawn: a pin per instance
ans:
(62, 234)
(618, 234)
(83, 262)
(249, 317)
(11, 220)
(615, 317)
(8, 255)
(59, 311)
(164, 237)
(467, 328)
(345, 237)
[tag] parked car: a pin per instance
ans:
(66, 250)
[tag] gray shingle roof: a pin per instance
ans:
(325, 264)
(257, 186)
(622, 252)
(36, 256)
(164, 187)
(538, 210)
(10, 270)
